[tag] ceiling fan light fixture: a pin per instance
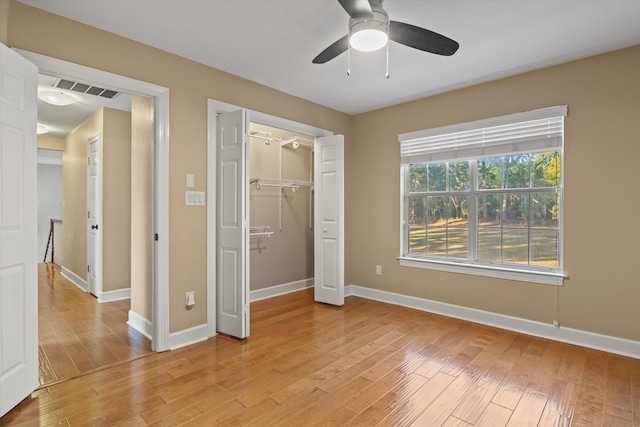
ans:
(368, 36)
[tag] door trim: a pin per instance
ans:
(160, 196)
(215, 107)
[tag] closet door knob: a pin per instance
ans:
(325, 230)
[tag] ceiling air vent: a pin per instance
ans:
(85, 88)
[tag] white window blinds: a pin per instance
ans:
(512, 134)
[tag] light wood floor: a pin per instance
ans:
(76, 334)
(365, 364)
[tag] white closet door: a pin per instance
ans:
(232, 295)
(18, 230)
(329, 220)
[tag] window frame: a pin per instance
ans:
(526, 273)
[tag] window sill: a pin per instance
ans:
(542, 277)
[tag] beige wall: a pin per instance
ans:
(190, 85)
(141, 187)
(115, 127)
(602, 237)
(287, 256)
(50, 142)
(116, 199)
(74, 194)
(4, 21)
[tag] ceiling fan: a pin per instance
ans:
(370, 29)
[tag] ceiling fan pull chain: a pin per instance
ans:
(348, 61)
(387, 76)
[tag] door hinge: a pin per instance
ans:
(88, 214)
(155, 237)
(89, 161)
(88, 269)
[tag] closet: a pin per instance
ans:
(281, 246)
(278, 221)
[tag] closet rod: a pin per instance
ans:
(294, 185)
(266, 234)
(266, 139)
(263, 230)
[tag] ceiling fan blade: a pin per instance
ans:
(332, 51)
(422, 39)
(357, 8)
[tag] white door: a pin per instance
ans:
(232, 293)
(329, 220)
(94, 215)
(18, 230)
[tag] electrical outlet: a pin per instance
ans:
(378, 270)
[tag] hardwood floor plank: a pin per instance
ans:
(495, 416)
(590, 401)
(406, 412)
(479, 398)
(250, 413)
(559, 408)
(401, 392)
(635, 392)
(617, 399)
(286, 409)
(444, 405)
(45, 369)
(366, 396)
(455, 422)
(613, 421)
(525, 358)
(181, 416)
(529, 409)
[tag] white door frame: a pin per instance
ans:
(213, 108)
(160, 196)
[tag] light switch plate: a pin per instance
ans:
(191, 182)
(194, 198)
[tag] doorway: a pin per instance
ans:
(107, 151)
(233, 231)
(157, 328)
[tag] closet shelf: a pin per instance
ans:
(280, 183)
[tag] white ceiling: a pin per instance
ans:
(272, 42)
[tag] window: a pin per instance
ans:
(486, 197)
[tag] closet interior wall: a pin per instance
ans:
(286, 255)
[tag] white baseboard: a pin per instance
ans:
(606, 343)
(188, 336)
(140, 324)
(274, 291)
(117, 295)
(74, 278)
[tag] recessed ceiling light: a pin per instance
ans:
(56, 96)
